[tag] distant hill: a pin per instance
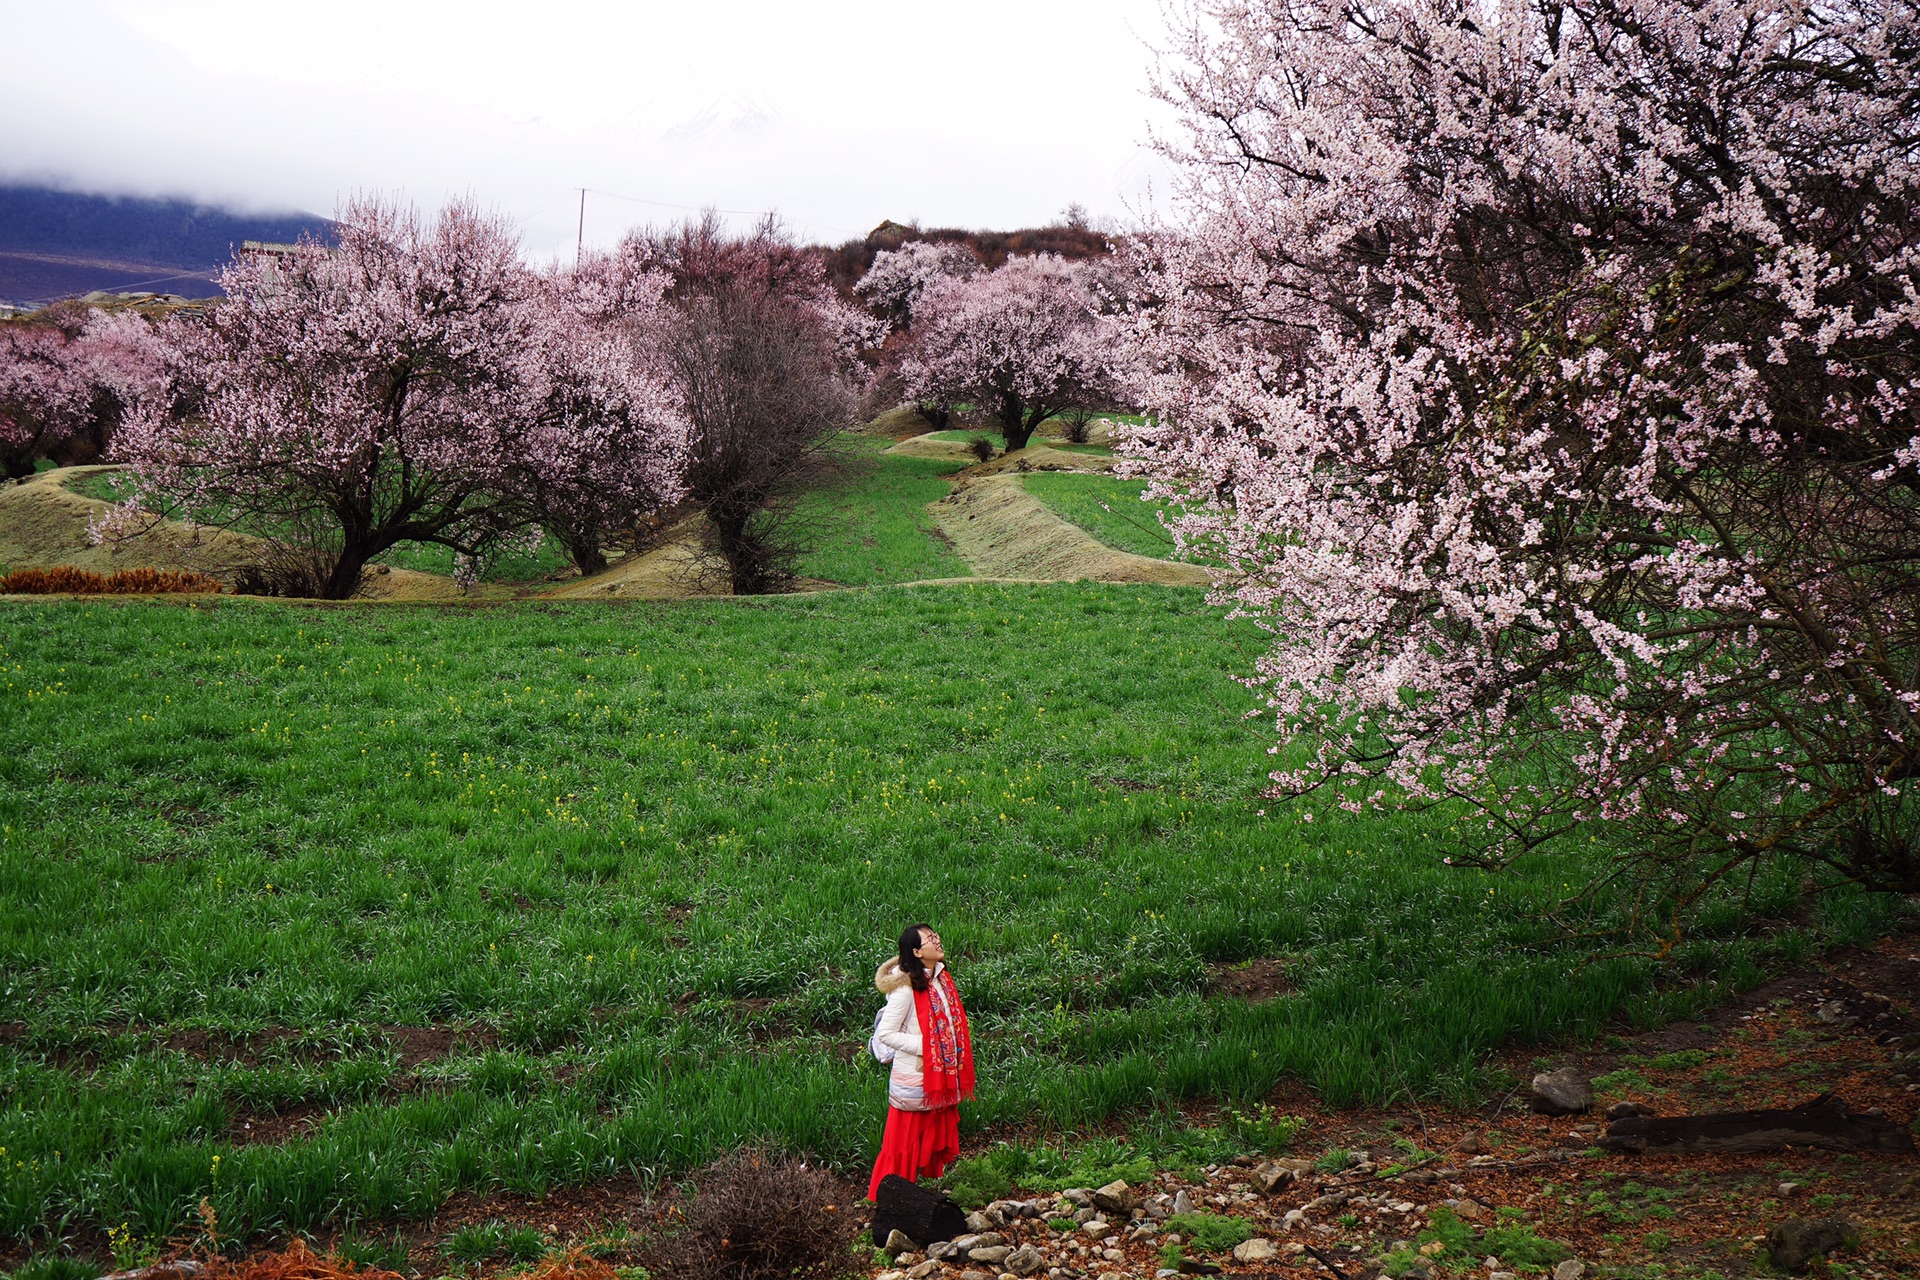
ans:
(60, 244)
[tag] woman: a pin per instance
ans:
(926, 1027)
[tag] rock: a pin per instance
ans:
(1571, 1269)
(1024, 1261)
(974, 1273)
(908, 1260)
(1245, 1162)
(1115, 1197)
(1083, 1216)
(1097, 1229)
(1143, 1231)
(1471, 1210)
(1257, 1249)
(1561, 1093)
(899, 1242)
(1293, 1218)
(1004, 1211)
(1472, 1145)
(1788, 1188)
(945, 1251)
(1182, 1202)
(1798, 1241)
(891, 1275)
(1114, 1255)
(991, 1254)
(984, 1240)
(1502, 1275)
(1269, 1178)
(1078, 1196)
(1625, 1110)
(928, 1268)
(979, 1221)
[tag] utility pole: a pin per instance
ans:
(580, 236)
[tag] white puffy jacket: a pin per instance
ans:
(899, 1030)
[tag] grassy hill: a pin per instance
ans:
(328, 913)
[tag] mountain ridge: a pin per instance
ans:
(58, 244)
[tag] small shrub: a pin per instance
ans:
(1078, 424)
(523, 1244)
(1171, 1256)
(66, 580)
(378, 1255)
(130, 1250)
(979, 1180)
(1063, 1225)
(1211, 1232)
(1334, 1161)
(1262, 1129)
(55, 1266)
(756, 1216)
(473, 1244)
(980, 447)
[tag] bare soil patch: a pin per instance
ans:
(1002, 531)
(1254, 981)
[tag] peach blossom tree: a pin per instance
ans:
(1542, 374)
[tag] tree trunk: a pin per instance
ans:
(1821, 1123)
(586, 553)
(745, 557)
(1013, 423)
(344, 578)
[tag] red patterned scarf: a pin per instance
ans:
(947, 1058)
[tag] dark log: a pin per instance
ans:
(924, 1217)
(1821, 1123)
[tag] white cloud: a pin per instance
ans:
(838, 114)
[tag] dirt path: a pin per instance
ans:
(1003, 531)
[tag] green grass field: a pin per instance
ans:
(873, 527)
(324, 913)
(1109, 509)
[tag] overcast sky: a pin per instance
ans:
(839, 113)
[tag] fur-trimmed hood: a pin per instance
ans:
(890, 977)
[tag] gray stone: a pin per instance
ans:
(991, 1254)
(1115, 1197)
(930, 1267)
(1078, 1195)
(1565, 1092)
(1798, 1241)
(1269, 1178)
(1571, 1269)
(945, 1251)
(1182, 1201)
(1258, 1249)
(1627, 1110)
(967, 1241)
(891, 1275)
(1024, 1261)
(974, 1273)
(899, 1242)
(1082, 1216)
(979, 1221)
(1097, 1229)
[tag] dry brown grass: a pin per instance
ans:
(65, 579)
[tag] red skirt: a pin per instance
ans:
(916, 1143)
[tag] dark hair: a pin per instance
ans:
(910, 963)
